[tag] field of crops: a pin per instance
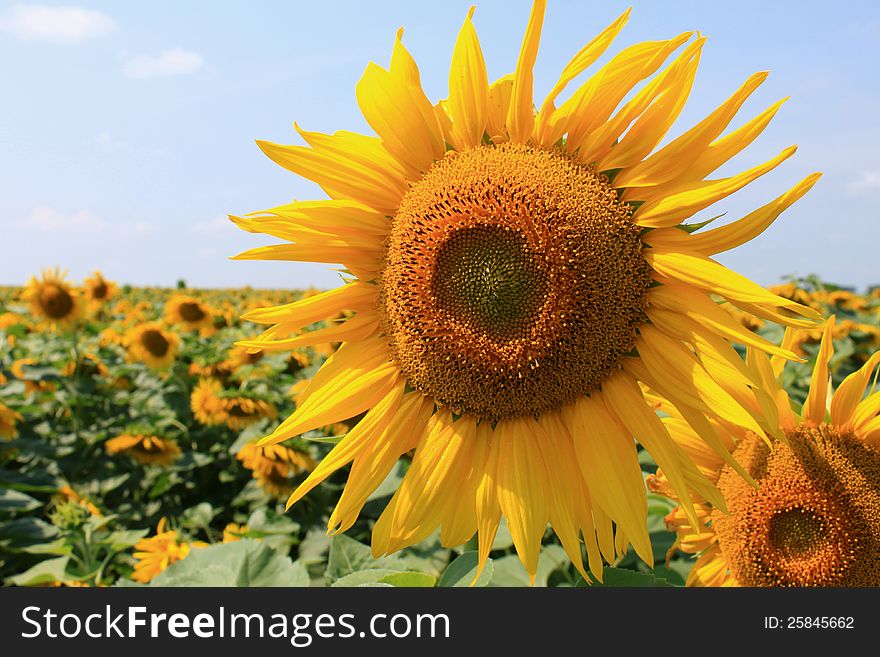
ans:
(127, 452)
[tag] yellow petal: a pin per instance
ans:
(710, 276)
(670, 161)
(340, 217)
(352, 380)
(364, 437)
(582, 115)
(700, 308)
(735, 233)
(689, 198)
(651, 126)
(357, 328)
(354, 296)
(604, 137)
(607, 457)
(522, 488)
(625, 400)
(866, 412)
(849, 394)
(579, 63)
(488, 508)
(468, 103)
(817, 399)
(521, 114)
(372, 463)
(500, 93)
(402, 116)
(374, 186)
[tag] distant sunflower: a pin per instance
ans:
(154, 554)
(98, 290)
(189, 312)
(55, 303)
(241, 410)
(8, 420)
(144, 448)
(233, 532)
(514, 276)
(813, 519)
(273, 466)
(205, 402)
(152, 344)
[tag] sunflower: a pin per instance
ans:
(513, 276)
(274, 465)
(8, 420)
(68, 494)
(155, 554)
(190, 313)
(152, 344)
(144, 448)
(207, 407)
(88, 365)
(55, 303)
(808, 513)
(240, 410)
(233, 532)
(98, 290)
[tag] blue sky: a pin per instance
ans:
(128, 128)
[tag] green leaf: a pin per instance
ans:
(509, 570)
(409, 579)
(347, 556)
(45, 572)
(13, 500)
(620, 577)
(367, 577)
(242, 563)
(462, 571)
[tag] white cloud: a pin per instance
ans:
(58, 24)
(110, 144)
(175, 61)
(48, 220)
(868, 181)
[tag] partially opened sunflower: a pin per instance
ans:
(807, 512)
(514, 275)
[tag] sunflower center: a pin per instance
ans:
(55, 301)
(487, 277)
(815, 518)
(154, 342)
(99, 291)
(796, 532)
(191, 311)
(513, 281)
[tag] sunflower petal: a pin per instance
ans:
(468, 103)
(354, 296)
(521, 114)
(817, 399)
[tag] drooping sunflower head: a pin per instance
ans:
(98, 290)
(275, 466)
(810, 514)
(144, 448)
(52, 300)
(151, 343)
(240, 411)
(190, 313)
(8, 419)
(514, 275)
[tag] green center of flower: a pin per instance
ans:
(796, 532)
(487, 277)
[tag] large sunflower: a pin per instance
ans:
(514, 275)
(810, 516)
(52, 300)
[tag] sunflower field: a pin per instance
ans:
(129, 422)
